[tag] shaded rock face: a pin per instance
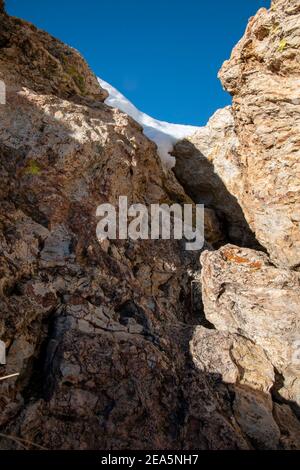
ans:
(252, 150)
(107, 336)
(207, 167)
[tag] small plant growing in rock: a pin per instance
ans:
(32, 168)
(282, 45)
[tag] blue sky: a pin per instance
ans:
(164, 55)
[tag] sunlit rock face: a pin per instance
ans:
(127, 345)
(263, 76)
(248, 155)
(255, 347)
(244, 293)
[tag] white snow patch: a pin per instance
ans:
(164, 134)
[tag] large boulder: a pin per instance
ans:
(244, 372)
(244, 294)
(207, 167)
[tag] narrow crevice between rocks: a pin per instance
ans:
(197, 176)
(277, 398)
(40, 369)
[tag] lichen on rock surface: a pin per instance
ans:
(244, 294)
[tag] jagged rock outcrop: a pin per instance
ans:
(263, 77)
(245, 165)
(248, 376)
(240, 369)
(256, 161)
(255, 348)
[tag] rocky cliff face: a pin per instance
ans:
(113, 347)
(98, 333)
(252, 150)
(263, 76)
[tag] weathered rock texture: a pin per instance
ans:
(206, 166)
(255, 348)
(254, 154)
(61, 69)
(106, 337)
(244, 294)
(245, 165)
(241, 372)
(98, 333)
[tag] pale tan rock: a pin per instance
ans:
(263, 75)
(232, 358)
(245, 162)
(290, 390)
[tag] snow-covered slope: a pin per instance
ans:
(164, 134)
